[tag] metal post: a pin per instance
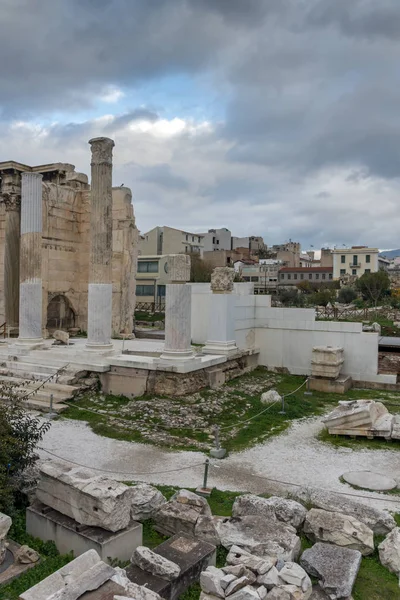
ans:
(282, 411)
(308, 392)
(206, 466)
(217, 451)
(51, 403)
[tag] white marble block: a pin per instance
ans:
(326, 361)
(221, 326)
(178, 307)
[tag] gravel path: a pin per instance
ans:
(294, 457)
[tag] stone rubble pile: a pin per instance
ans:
(153, 563)
(188, 513)
(368, 418)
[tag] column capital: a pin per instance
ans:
(101, 150)
(12, 202)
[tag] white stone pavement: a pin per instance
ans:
(294, 457)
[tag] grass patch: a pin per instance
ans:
(187, 422)
(149, 317)
(343, 441)
(375, 582)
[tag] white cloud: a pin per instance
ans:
(111, 94)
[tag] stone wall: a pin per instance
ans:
(65, 253)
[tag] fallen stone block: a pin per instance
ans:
(294, 574)
(380, 521)
(227, 579)
(238, 584)
(243, 559)
(145, 501)
(262, 592)
(210, 582)
(259, 536)
(205, 530)
(339, 529)
(389, 551)
(180, 513)
(285, 510)
(153, 563)
(396, 428)
(246, 593)
(355, 415)
(270, 397)
(336, 568)
(270, 579)
(61, 336)
(26, 555)
(87, 498)
(5, 524)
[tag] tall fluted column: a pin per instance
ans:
(100, 266)
(11, 193)
(30, 291)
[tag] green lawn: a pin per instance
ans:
(151, 419)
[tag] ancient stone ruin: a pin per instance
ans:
(326, 366)
(365, 418)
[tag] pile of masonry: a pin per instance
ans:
(264, 560)
(368, 418)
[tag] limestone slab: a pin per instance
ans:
(389, 551)
(145, 501)
(153, 563)
(87, 498)
(285, 510)
(369, 480)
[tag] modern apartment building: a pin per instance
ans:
(151, 278)
(253, 243)
(264, 275)
(217, 239)
(168, 240)
(354, 261)
(295, 275)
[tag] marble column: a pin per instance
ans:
(30, 291)
(11, 194)
(221, 324)
(178, 335)
(100, 263)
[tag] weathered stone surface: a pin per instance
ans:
(336, 568)
(132, 590)
(396, 428)
(262, 592)
(238, 584)
(269, 579)
(279, 593)
(262, 537)
(227, 580)
(153, 563)
(326, 361)
(360, 417)
(381, 522)
(237, 570)
(181, 513)
(210, 582)
(26, 555)
(336, 528)
(61, 336)
(270, 397)
(319, 594)
(222, 279)
(285, 510)
(5, 524)
(145, 501)
(205, 530)
(294, 574)
(389, 551)
(87, 498)
(243, 559)
(246, 593)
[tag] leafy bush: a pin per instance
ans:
(291, 297)
(347, 295)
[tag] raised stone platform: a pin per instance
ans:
(191, 555)
(331, 386)
(368, 480)
(48, 524)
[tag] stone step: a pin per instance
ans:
(33, 376)
(50, 387)
(44, 406)
(17, 365)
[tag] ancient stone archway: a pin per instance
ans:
(60, 314)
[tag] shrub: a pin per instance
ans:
(347, 295)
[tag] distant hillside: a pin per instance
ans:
(390, 253)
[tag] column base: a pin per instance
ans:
(29, 343)
(178, 355)
(103, 348)
(224, 348)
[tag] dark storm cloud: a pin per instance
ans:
(161, 175)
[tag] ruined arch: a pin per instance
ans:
(60, 312)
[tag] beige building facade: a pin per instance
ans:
(153, 275)
(354, 261)
(65, 245)
(168, 240)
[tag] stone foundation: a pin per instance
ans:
(331, 386)
(133, 382)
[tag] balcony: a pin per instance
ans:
(354, 265)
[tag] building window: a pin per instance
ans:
(282, 275)
(148, 266)
(330, 275)
(187, 237)
(310, 276)
(343, 271)
(145, 290)
(368, 258)
(289, 276)
(217, 242)
(161, 291)
(354, 271)
(343, 259)
(198, 239)
(185, 248)
(213, 240)
(228, 260)
(246, 278)
(323, 276)
(302, 276)
(316, 275)
(255, 279)
(295, 276)
(367, 271)
(355, 261)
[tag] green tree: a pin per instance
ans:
(290, 297)
(200, 270)
(20, 433)
(347, 294)
(373, 286)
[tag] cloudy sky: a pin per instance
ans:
(278, 118)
